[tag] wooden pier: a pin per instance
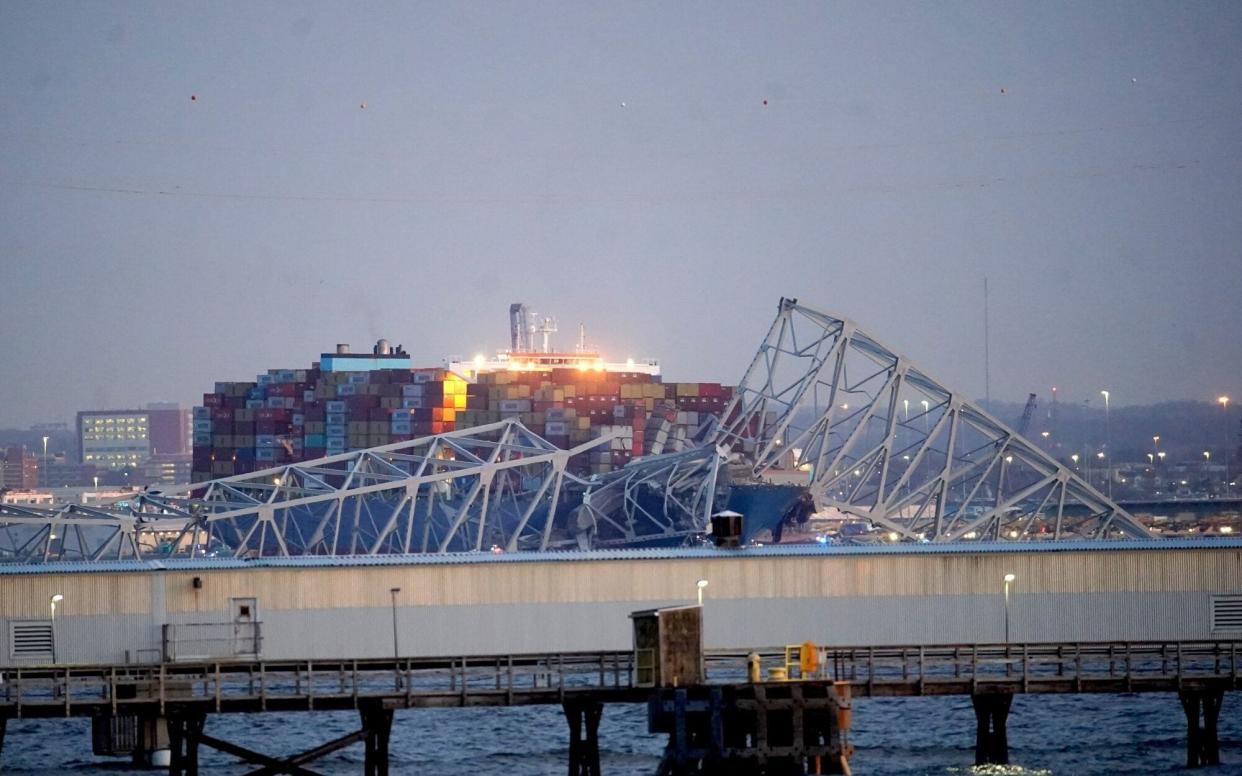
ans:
(184, 694)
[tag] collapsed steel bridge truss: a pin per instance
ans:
(658, 497)
(77, 533)
(880, 439)
(497, 486)
(872, 434)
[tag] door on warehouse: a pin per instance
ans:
(246, 627)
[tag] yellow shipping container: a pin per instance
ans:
(570, 391)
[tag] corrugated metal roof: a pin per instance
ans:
(776, 550)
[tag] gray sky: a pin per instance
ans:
(616, 164)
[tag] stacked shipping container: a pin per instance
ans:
(286, 415)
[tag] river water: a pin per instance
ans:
(1049, 735)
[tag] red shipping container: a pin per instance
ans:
(221, 416)
(213, 400)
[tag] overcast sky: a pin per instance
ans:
(202, 191)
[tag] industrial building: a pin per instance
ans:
(125, 439)
(19, 468)
(488, 603)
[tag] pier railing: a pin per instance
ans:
(510, 680)
(199, 641)
(1027, 668)
(233, 685)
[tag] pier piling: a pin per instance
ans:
(1202, 745)
(583, 718)
(991, 737)
(377, 725)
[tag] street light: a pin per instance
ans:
(44, 464)
(1224, 409)
(702, 583)
(1074, 458)
(1108, 442)
(55, 599)
(396, 652)
(1008, 579)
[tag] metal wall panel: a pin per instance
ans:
(472, 608)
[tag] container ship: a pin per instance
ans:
(349, 401)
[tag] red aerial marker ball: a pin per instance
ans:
(765, 102)
(193, 98)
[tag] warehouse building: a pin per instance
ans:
(484, 603)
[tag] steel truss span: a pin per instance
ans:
(497, 486)
(881, 439)
(656, 498)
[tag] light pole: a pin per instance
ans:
(1224, 409)
(55, 599)
(926, 406)
(1008, 578)
(702, 583)
(396, 652)
(43, 466)
(1108, 442)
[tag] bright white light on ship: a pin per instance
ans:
(479, 361)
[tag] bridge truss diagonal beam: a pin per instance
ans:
(883, 440)
(492, 486)
(658, 497)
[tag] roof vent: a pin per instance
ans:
(342, 348)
